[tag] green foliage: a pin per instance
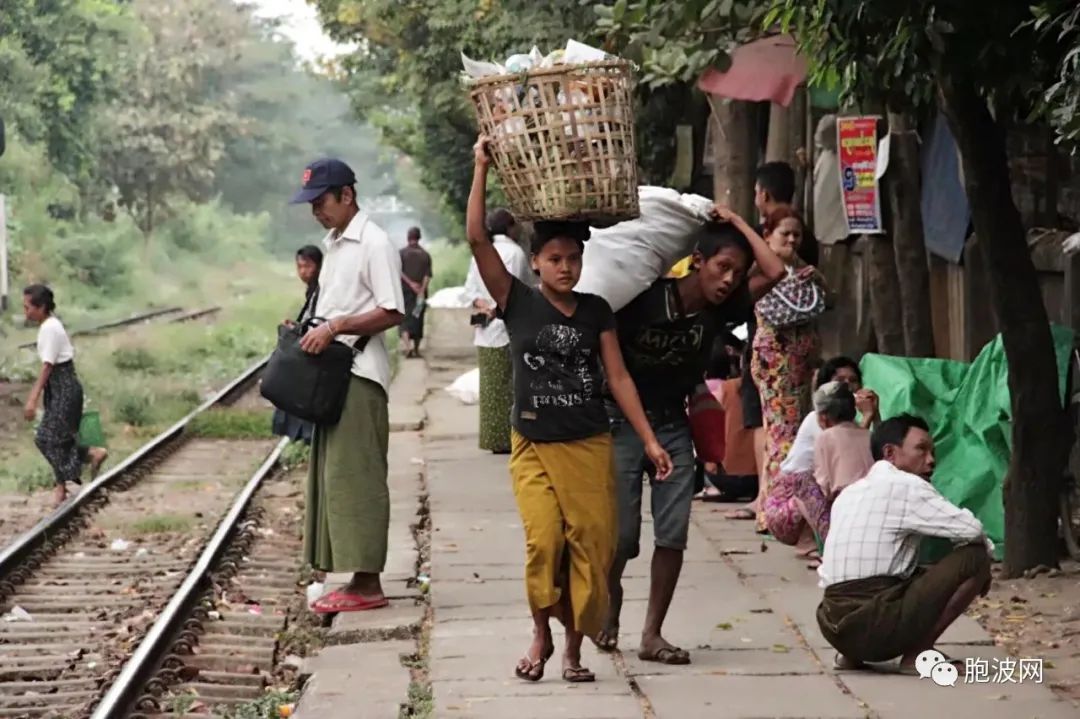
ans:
(137, 359)
(1059, 20)
(450, 263)
(161, 524)
(891, 52)
(675, 41)
(295, 454)
(168, 131)
(59, 62)
(231, 424)
(133, 408)
(38, 476)
(268, 706)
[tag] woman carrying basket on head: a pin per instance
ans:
(57, 436)
(561, 456)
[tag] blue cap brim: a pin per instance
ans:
(308, 194)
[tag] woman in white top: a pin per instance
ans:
(491, 340)
(58, 434)
(795, 504)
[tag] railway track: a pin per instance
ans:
(103, 598)
(175, 315)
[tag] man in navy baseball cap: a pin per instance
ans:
(322, 176)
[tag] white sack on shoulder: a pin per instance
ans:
(466, 388)
(622, 261)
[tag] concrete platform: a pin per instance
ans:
(745, 609)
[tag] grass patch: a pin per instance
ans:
(162, 523)
(268, 706)
(421, 702)
(295, 454)
(231, 424)
(143, 379)
(450, 263)
(136, 359)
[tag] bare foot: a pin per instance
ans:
(98, 455)
(608, 638)
(59, 495)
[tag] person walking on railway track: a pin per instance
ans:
(561, 456)
(666, 334)
(308, 265)
(415, 278)
(348, 500)
(57, 435)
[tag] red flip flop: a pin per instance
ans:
(341, 601)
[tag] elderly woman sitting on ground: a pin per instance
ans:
(799, 500)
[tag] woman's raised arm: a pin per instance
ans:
(492, 270)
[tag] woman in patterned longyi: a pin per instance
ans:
(57, 435)
(783, 359)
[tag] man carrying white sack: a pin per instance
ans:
(666, 334)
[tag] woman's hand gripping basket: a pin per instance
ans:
(562, 140)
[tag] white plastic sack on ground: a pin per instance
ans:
(466, 388)
(449, 298)
(621, 261)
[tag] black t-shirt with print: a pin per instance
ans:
(666, 351)
(558, 378)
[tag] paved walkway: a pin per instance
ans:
(744, 608)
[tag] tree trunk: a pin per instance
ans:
(912, 268)
(1040, 434)
(884, 294)
(734, 156)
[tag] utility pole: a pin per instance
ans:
(3, 255)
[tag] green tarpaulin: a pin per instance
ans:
(967, 407)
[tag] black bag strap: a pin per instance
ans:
(312, 301)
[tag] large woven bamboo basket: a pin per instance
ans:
(563, 141)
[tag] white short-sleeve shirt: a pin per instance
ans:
(361, 272)
(517, 264)
(800, 457)
(53, 344)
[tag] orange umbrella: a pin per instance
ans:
(766, 69)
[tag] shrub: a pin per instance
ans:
(134, 408)
(133, 359)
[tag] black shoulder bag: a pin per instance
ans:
(311, 387)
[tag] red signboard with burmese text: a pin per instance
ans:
(857, 144)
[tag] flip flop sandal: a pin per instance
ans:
(578, 675)
(339, 601)
(535, 669)
(666, 655)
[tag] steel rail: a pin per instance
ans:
(125, 691)
(17, 551)
(133, 320)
